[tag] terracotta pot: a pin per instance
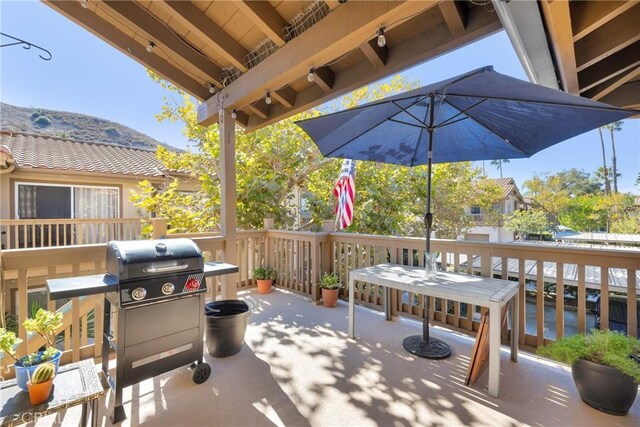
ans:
(329, 297)
(264, 286)
(39, 393)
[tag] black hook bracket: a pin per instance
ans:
(26, 45)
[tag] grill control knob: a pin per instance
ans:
(161, 247)
(168, 288)
(138, 294)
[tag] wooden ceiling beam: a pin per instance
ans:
(332, 4)
(608, 39)
(265, 17)
(259, 108)
(196, 21)
(285, 96)
(558, 19)
(139, 18)
(603, 89)
(613, 65)
(375, 54)
(324, 78)
(430, 43)
(588, 16)
(101, 28)
(455, 15)
(337, 34)
(625, 96)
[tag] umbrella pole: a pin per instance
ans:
(423, 345)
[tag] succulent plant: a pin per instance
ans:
(43, 373)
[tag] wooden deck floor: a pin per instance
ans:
(298, 368)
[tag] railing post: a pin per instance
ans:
(159, 228)
(269, 224)
(315, 270)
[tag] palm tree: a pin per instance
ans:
(615, 126)
(604, 172)
(498, 164)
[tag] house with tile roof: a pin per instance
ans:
(47, 181)
(489, 226)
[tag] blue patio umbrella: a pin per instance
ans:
(481, 115)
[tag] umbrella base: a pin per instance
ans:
(431, 349)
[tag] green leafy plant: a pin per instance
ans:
(261, 273)
(330, 281)
(45, 323)
(8, 341)
(605, 347)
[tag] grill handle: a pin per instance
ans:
(165, 269)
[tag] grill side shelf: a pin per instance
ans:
(80, 286)
(218, 268)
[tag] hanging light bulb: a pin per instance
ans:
(267, 98)
(311, 75)
(212, 88)
(84, 3)
(382, 40)
(234, 114)
(150, 46)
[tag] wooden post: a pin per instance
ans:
(228, 200)
(269, 224)
(329, 226)
(159, 228)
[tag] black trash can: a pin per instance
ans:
(226, 325)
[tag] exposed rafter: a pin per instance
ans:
(588, 16)
(605, 88)
(375, 54)
(259, 108)
(626, 96)
(285, 96)
(455, 15)
(624, 60)
(139, 18)
(192, 18)
(123, 42)
(265, 17)
(428, 44)
(343, 30)
(608, 39)
(324, 78)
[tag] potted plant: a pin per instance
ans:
(40, 383)
(330, 287)
(264, 277)
(46, 324)
(605, 366)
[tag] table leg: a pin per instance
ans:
(352, 293)
(94, 413)
(387, 302)
(83, 417)
(494, 349)
(515, 327)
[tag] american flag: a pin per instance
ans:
(345, 191)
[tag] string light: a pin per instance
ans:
(382, 40)
(234, 114)
(84, 3)
(312, 75)
(267, 98)
(212, 89)
(150, 46)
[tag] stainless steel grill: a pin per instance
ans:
(155, 291)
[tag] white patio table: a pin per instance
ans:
(483, 291)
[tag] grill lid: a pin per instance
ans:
(134, 259)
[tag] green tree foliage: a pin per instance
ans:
(273, 161)
(524, 223)
(549, 194)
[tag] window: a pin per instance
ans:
(44, 201)
(475, 210)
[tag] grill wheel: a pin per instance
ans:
(201, 372)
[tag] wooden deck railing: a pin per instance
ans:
(40, 233)
(301, 257)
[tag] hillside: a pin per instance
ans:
(79, 127)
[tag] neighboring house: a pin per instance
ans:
(55, 179)
(489, 225)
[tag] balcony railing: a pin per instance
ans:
(301, 257)
(41, 233)
(487, 219)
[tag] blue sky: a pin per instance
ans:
(88, 76)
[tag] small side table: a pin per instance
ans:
(76, 384)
